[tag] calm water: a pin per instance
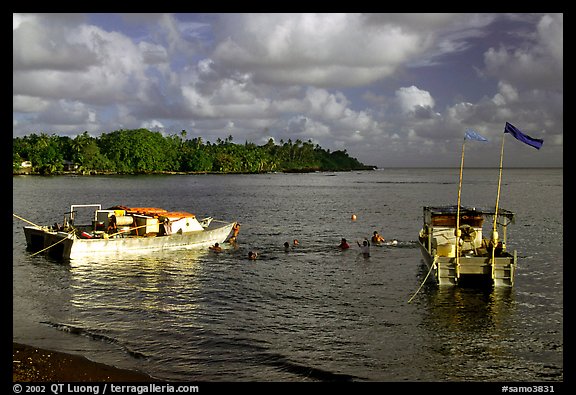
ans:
(310, 314)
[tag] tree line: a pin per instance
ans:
(141, 151)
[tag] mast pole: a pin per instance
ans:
(494, 228)
(457, 231)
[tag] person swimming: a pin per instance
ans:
(377, 238)
(343, 244)
(216, 248)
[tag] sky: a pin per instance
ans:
(393, 90)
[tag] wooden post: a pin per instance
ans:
(494, 225)
(457, 232)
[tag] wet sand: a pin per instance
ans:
(36, 364)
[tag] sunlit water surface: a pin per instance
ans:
(313, 313)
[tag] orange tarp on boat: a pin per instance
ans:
(155, 212)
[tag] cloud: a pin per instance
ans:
(29, 104)
(318, 49)
(536, 64)
(39, 46)
(232, 97)
(410, 99)
(306, 128)
(389, 88)
(81, 62)
(152, 125)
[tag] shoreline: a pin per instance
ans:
(33, 364)
(172, 173)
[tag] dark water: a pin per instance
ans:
(312, 313)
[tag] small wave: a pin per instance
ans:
(76, 330)
(310, 372)
(259, 354)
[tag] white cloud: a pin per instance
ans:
(536, 64)
(227, 97)
(85, 63)
(152, 124)
(327, 105)
(303, 128)
(31, 104)
(506, 94)
(152, 53)
(37, 47)
(18, 19)
(410, 98)
(551, 36)
(381, 85)
(319, 49)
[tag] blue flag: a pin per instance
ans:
(472, 135)
(536, 143)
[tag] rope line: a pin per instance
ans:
(25, 220)
(425, 278)
(52, 245)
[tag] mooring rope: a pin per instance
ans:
(432, 266)
(25, 220)
(52, 245)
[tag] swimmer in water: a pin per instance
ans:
(216, 248)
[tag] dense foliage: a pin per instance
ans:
(141, 151)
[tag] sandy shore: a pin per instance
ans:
(35, 364)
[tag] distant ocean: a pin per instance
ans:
(313, 313)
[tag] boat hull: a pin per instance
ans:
(477, 268)
(61, 245)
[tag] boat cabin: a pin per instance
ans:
(467, 251)
(441, 222)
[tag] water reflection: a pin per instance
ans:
(287, 316)
(469, 332)
(108, 294)
(469, 309)
(144, 275)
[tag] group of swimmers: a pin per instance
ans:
(216, 248)
(364, 246)
(287, 245)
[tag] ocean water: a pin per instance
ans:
(313, 313)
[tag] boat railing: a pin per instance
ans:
(206, 222)
(73, 210)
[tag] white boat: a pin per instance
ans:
(125, 230)
(475, 261)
